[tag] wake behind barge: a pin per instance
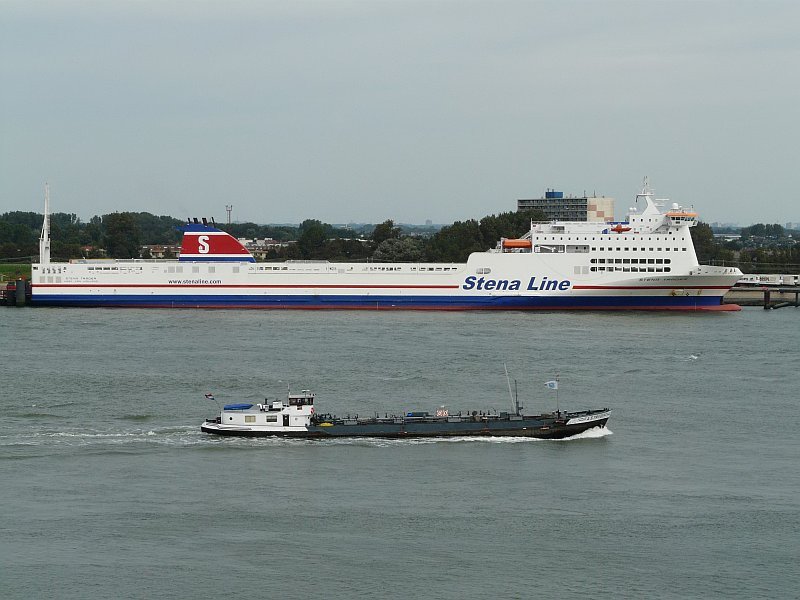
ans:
(296, 418)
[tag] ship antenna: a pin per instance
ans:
(510, 394)
(558, 409)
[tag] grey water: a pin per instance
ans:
(108, 489)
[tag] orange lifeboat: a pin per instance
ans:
(516, 244)
(620, 229)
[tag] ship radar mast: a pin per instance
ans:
(647, 191)
(44, 238)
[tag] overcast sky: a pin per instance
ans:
(363, 111)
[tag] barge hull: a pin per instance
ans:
(535, 429)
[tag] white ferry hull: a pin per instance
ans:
(645, 263)
(340, 291)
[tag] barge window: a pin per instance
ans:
(249, 418)
(272, 418)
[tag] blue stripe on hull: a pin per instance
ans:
(384, 302)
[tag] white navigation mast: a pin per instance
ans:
(44, 239)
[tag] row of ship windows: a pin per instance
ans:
(155, 269)
(383, 268)
(582, 249)
(370, 268)
(632, 261)
(634, 269)
(212, 269)
(269, 418)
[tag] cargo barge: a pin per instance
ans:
(297, 418)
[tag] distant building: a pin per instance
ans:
(260, 248)
(159, 251)
(557, 207)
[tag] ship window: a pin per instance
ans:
(195, 269)
(626, 261)
(659, 261)
(618, 261)
(667, 261)
(272, 418)
(249, 418)
(548, 248)
(212, 269)
(684, 249)
(667, 269)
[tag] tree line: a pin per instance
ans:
(123, 234)
(750, 259)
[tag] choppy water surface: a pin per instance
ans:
(109, 490)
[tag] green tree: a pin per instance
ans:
(705, 246)
(407, 249)
(312, 238)
(455, 242)
(385, 231)
(122, 235)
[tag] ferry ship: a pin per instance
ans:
(296, 417)
(646, 262)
